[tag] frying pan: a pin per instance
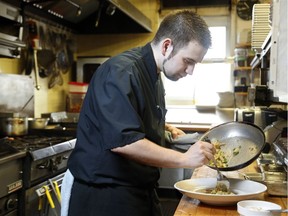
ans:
(248, 138)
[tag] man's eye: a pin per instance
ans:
(189, 62)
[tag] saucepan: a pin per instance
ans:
(238, 144)
(13, 126)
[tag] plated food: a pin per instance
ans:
(220, 189)
(202, 189)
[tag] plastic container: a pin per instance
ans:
(74, 102)
(241, 55)
(257, 208)
(78, 87)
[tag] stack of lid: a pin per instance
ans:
(260, 25)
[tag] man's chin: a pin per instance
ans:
(174, 78)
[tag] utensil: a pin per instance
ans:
(248, 139)
(222, 181)
(278, 210)
(25, 105)
(37, 86)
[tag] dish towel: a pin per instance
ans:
(66, 187)
(184, 139)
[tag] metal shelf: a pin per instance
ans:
(265, 48)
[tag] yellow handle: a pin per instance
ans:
(57, 190)
(49, 196)
(40, 204)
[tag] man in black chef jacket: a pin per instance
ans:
(121, 130)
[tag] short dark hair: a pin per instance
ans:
(183, 27)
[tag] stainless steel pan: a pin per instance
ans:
(248, 138)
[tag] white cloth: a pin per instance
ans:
(66, 187)
(184, 139)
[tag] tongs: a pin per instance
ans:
(223, 183)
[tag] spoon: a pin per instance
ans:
(278, 210)
(222, 181)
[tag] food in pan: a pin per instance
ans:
(236, 150)
(219, 156)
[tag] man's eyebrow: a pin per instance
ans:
(190, 60)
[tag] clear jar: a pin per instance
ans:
(74, 102)
(241, 55)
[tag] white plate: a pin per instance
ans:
(243, 189)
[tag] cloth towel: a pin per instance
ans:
(189, 138)
(66, 187)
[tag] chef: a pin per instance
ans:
(120, 151)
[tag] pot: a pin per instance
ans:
(13, 126)
(37, 123)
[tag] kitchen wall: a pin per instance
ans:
(53, 100)
(45, 100)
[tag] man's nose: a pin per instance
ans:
(190, 69)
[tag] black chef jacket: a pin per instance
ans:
(124, 103)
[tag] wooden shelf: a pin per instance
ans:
(243, 45)
(242, 68)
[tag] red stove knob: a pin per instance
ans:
(11, 204)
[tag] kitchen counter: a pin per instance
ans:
(188, 206)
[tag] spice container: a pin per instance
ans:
(241, 55)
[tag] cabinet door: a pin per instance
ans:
(279, 50)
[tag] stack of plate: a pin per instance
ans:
(260, 25)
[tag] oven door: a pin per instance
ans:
(86, 66)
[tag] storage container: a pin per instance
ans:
(78, 87)
(240, 59)
(74, 102)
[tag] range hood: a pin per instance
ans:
(90, 16)
(180, 4)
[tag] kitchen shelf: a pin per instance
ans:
(243, 45)
(242, 68)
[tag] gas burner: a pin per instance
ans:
(35, 142)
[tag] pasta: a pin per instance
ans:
(219, 156)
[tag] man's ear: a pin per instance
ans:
(167, 47)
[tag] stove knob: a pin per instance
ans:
(11, 204)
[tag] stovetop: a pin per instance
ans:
(8, 153)
(34, 142)
(38, 146)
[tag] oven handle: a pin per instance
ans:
(49, 196)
